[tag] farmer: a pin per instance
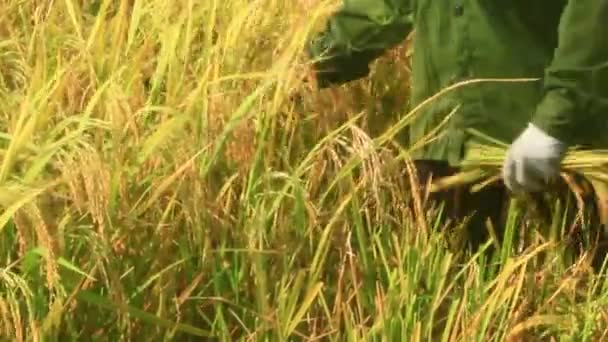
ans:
(560, 47)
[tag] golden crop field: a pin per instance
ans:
(169, 172)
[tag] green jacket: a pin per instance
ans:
(562, 43)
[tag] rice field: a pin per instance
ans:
(169, 172)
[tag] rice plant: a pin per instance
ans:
(168, 173)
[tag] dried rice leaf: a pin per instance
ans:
(458, 179)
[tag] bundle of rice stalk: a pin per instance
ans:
(483, 166)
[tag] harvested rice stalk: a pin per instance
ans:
(483, 165)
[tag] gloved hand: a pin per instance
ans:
(532, 160)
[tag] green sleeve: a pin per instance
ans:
(359, 32)
(576, 81)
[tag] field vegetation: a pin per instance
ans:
(169, 172)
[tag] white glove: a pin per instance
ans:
(532, 160)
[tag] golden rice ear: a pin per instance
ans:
(577, 190)
(600, 190)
